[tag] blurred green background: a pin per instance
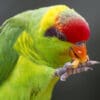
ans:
(84, 86)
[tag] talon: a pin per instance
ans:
(78, 70)
(64, 72)
(68, 65)
(64, 77)
(88, 68)
(74, 71)
(60, 71)
(92, 62)
(68, 69)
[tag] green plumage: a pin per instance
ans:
(28, 59)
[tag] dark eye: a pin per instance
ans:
(80, 43)
(53, 32)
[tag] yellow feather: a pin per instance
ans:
(49, 18)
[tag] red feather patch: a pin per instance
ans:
(75, 30)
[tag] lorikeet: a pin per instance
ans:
(34, 45)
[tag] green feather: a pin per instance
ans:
(27, 58)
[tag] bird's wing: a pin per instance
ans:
(9, 32)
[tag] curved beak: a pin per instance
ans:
(78, 53)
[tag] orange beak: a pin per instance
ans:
(78, 52)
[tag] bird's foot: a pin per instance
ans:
(67, 70)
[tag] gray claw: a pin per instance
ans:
(89, 63)
(64, 77)
(87, 68)
(63, 70)
(60, 71)
(67, 69)
(68, 65)
(82, 69)
(92, 62)
(78, 70)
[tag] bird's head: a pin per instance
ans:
(75, 29)
(64, 36)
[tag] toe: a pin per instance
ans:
(64, 77)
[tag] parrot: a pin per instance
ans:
(38, 47)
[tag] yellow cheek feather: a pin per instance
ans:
(50, 16)
(25, 46)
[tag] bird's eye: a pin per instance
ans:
(53, 32)
(81, 43)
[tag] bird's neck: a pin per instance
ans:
(29, 81)
(46, 94)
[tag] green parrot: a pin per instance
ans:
(37, 47)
